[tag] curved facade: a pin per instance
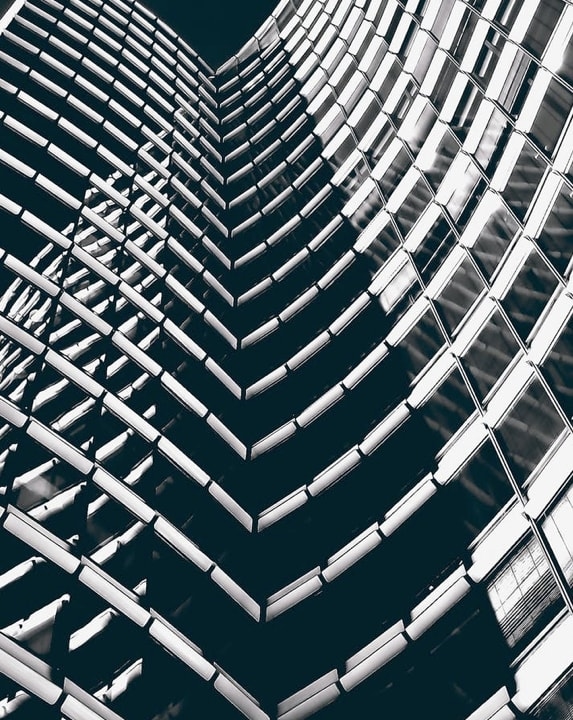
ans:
(285, 364)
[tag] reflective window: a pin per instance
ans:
(436, 245)
(493, 140)
(443, 86)
(395, 172)
(551, 116)
(565, 63)
(524, 595)
(517, 83)
(490, 354)
(507, 12)
(558, 368)
(464, 34)
(466, 110)
(542, 25)
(529, 430)
(422, 343)
(558, 528)
(414, 205)
(494, 240)
(459, 295)
(449, 407)
(524, 179)
(488, 57)
(426, 55)
(446, 150)
(482, 489)
(556, 236)
(529, 293)
(557, 703)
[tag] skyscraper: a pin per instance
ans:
(285, 380)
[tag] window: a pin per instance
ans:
(431, 253)
(448, 408)
(490, 354)
(464, 34)
(482, 489)
(529, 430)
(488, 57)
(542, 25)
(421, 343)
(551, 116)
(517, 83)
(459, 295)
(529, 293)
(441, 159)
(558, 368)
(558, 702)
(507, 13)
(524, 179)
(524, 595)
(555, 237)
(558, 529)
(493, 240)
(492, 141)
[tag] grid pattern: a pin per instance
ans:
(285, 358)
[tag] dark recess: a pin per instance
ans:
(215, 29)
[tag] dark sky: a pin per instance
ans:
(214, 28)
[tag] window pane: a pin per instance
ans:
(558, 529)
(490, 354)
(524, 595)
(459, 294)
(556, 236)
(542, 25)
(530, 429)
(529, 294)
(558, 368)
(494, 240)
(551, 116)
(524, 179)
(482, 488)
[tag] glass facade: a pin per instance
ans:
(285, 363)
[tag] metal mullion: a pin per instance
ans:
(29, 395)
(554, 567)
(100, 372)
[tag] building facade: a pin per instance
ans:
(285, 364)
